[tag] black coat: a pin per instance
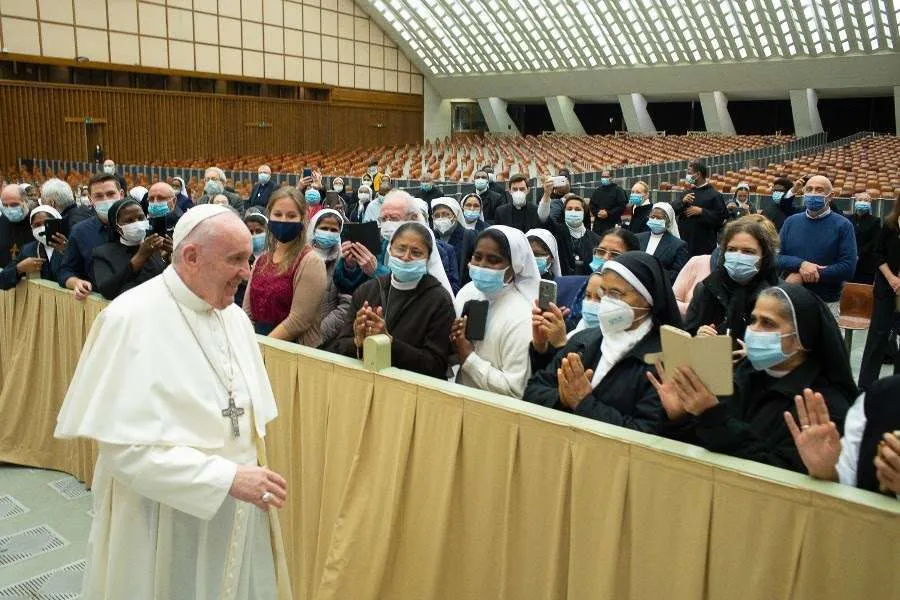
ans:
(72, 215)
(625, 397)
(490, 203)
(639, 217)
(418, 321)
(113, 273)
(882, 416)
(13, 237)
(886, 251)
(523, 219)
(613, 200)
(701, 232)
(463, 241)
(432, 194)
(10, 276)
(672, 252)
(720, 301)
(866, 227)
(750, 423)
(260, 194)
(574, 255)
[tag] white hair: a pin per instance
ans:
(412, 207)
(56, 192)
(220, 174)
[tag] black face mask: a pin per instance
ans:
(285, 231)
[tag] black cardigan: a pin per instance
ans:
(112, 269)
(625, 397)
(672, 252)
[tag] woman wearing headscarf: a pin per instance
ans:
(359, 201)
(37, 256)
(722, 302)
(287, 283)
(450, 227)
(324, 235)
(576, 242)
(794, 343)
(503, 272)
(472, 213)
(739, 204)
(413, 305)
(182, 199)
(663, 241)
(258, 225)
(546, 255)
(130, 257)
(337, 185)
(600, 373)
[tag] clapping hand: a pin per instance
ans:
(887, 463)
(368, 321)
(574, 381)
(816, 438)
(668, 394)
(459, 340)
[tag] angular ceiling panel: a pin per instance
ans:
(478, 37)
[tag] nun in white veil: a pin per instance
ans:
(663, 241)
(549, 269)
(413, 304)
(504, 274)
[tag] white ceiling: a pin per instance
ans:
(478, 47)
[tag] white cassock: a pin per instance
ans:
(164, 525)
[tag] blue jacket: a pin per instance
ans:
(347, 279)
(78, 260)
(9, 277)
(260, 194)
(829, 241)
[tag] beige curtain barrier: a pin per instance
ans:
(405, 487)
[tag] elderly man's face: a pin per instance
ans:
(212, 175)
(162, 192)
(215, 268)
(11, 197)
(394, 210)
(818, 185)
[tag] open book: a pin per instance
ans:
(710, 357)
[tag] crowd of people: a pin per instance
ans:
(621, 266)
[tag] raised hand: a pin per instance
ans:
(668, 394)
(573, 381)
(816, 438)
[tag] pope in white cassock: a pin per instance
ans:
(172, 386)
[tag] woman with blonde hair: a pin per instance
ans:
(287, 284)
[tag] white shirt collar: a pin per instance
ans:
(183, 294)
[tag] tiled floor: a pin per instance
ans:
(45, 519)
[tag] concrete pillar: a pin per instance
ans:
(438, 118)
(634, 110)
(805, 108)
(897, 109)
(562, 111)
(715, 112)
(496, 117)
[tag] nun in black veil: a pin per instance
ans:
(793, 343)
(600, 372)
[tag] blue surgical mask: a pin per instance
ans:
(372, 170)
(481, 184)
(691, 179)
(426, 187)
(264, 178)
(813, 202)
(326, 239)
(656, 225)
(471, 215)
(636, 199)
(542, 263)
(574, 218)
(312, 196)
(158, 209)
(15, 214)
(259, 242)
(741, 267)
(764, 348)
(597, 263)
(590, 312)
(285, 231)
(213, 188)
(487, 281)
(777, 196)
(406, 272)
(604, 181)
(862, 206)
(102, 208)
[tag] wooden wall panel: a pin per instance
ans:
(143, 126)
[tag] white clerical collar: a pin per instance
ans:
(404, 286)
(183, 294)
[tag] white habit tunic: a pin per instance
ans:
(164, 525)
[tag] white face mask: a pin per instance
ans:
(388, 228)
(443, 225)
(615, 316)
(338, 187)
(134, 233)
(518, 199)
(38, 234)
(364, 197)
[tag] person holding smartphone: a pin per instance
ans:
(503, 273)
(131, 256)
(40, 256)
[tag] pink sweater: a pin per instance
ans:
(694, 271)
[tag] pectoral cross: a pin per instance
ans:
(233, 413)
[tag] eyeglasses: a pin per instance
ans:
(604, 253)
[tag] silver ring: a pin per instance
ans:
(267, 497)
(805, 427)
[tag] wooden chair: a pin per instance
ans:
(855, 311)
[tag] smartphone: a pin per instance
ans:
(477, 312)
(51, 228)
(332, 199)
(546, 294)
(560, 181)
(366, 234)
(158, 226)
(307, 172)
